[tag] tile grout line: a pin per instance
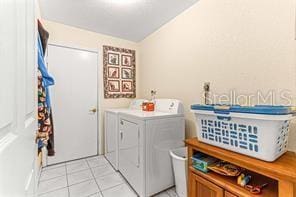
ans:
(66, 173)
(51, 191)
(49, 180)
(80, 181)
(89, 168)
(124, 182)
(52, 178)
(127, 183)
(100, 190)
(54, 166)
(75, 172)
(109, 163)
(77, 160)
(113, 186)
(65, 167)
(46, 171)
(94, 178)
(109, 173)
(176, 195)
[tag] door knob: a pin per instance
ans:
(94, 110)
(121, 135)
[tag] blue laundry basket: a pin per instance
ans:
(260, 131)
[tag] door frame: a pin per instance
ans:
(98, 66)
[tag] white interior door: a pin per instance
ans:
(18, 98)
(74, 102)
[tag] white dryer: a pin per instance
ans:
(111, 131)
(145, 139)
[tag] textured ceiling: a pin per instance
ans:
(128, 19)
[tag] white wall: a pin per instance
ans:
(246, 46)
(75, 37)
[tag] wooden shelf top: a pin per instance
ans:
(283, 168)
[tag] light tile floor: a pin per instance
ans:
(90, 177)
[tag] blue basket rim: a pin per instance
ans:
(257, 109)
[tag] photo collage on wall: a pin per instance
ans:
(119, 72)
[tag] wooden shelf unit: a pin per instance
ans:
(281, 174)
(229, 183)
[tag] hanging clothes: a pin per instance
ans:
(46, 78)
(45, 123)
(44, 35)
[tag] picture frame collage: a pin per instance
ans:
(119, 72)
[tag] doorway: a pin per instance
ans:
(74, 101)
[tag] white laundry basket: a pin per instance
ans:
(259, 131)
(179, 158)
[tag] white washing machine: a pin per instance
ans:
(145, 139)
(111, 130)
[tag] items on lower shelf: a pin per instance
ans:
(243, 179)
(226, 168)
(205, 163)
(201, 161)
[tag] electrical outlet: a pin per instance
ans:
(153, 92)
(206, 86)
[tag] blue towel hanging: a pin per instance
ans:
(46, 78)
